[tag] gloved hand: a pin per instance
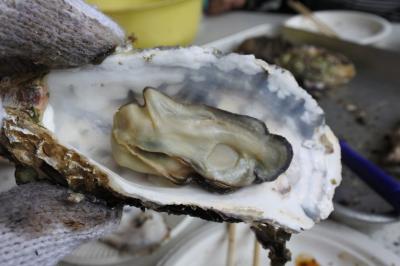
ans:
(38, 224)
(36, 35)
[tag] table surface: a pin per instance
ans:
(214, 28)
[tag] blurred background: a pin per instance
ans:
(177, 22)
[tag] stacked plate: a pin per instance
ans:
(327, 243)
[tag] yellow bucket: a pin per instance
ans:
(155, 22)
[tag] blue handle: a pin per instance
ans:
(385, 185)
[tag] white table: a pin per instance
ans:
(214, 28)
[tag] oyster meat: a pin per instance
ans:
(222, 150)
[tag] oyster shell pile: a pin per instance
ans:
(83, 101)
(314, 67)
(222, 150)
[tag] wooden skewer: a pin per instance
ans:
(231, 244)
(256, 253)
(322, 27)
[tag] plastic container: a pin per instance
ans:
(155, 22)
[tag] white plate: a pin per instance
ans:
(329, 243)
(353, 26)
(97, 253)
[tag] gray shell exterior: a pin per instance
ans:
(83, 101)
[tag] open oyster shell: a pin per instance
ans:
(83, 101)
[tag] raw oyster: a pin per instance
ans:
(222, 150)
(314, 67)
(317, 67)
(83, 101)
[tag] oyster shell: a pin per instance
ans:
(315, 67)
(222, 150)
(83, 101)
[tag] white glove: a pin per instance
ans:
(40, 224)
(36, 35)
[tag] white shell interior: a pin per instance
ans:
(84, 100)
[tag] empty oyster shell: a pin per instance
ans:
(83, 101)
(175, 140)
